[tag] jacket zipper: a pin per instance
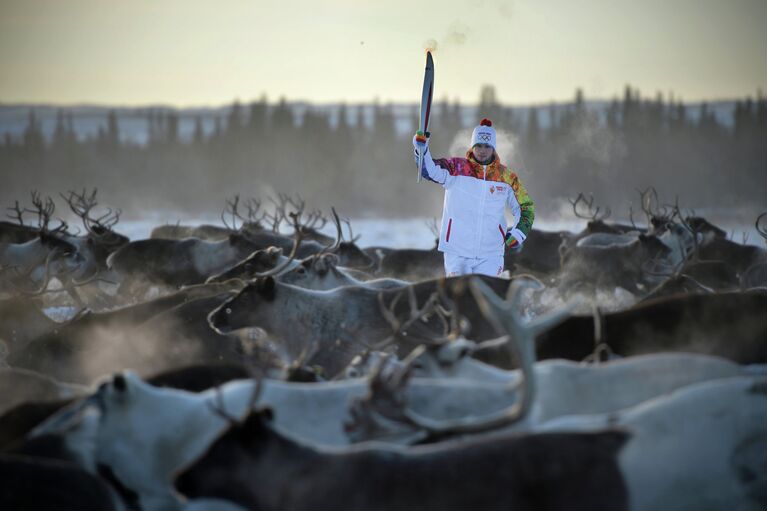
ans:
(449, 225)
(481, 209)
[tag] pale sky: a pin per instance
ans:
(197, 53)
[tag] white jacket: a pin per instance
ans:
(476, 195)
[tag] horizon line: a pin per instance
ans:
(758, 96)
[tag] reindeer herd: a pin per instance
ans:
(262, 364)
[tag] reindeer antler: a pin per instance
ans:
(316, 220)
(592, 213)
(82, 204)
(45, 209)
(379, 412)
(388, 405)
(253, 206)
(296, 243)
(18, 213)
(232, 208)
(43, 288)
(279, 214)
(352, 237)
(401, 329)
(654, 212)
(762, 230)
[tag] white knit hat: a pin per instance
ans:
(484, 134)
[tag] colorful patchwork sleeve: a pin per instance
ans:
(441, 170)
(456, 166)
(526, 206)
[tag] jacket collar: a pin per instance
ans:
(496, 163)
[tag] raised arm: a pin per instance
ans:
(432, 170)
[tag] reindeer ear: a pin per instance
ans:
(254, 423)
(119, 382)
(266, 288)
(266, 413)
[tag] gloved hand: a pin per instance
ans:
(514, 239)
(420, 141)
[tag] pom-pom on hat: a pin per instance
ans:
(484, 134)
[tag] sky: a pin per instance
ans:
(203, 53)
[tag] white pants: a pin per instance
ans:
(459, 265)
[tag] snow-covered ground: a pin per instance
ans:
(60, 314)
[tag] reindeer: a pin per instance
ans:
(294, 316)
(563, 387)
(348, 253)
(83, 350)
(98, 242)
(175, 263)
(100, 239)
(17, 232)
(709, 436)
(728, 415)
(250, 221)
(755, 276)
(410, 264)
(132, 416)
(688, 270)
(317, 411)
(269, 470)
(46, 256)
(153, 335)
(310, 412)
(657, 217)
(739, 256)
(729, 325)
(539, 254)
(267, 258)
(611, 260)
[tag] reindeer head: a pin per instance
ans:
(97, 226)
(237, 311)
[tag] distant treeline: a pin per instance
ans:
(363, 167)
